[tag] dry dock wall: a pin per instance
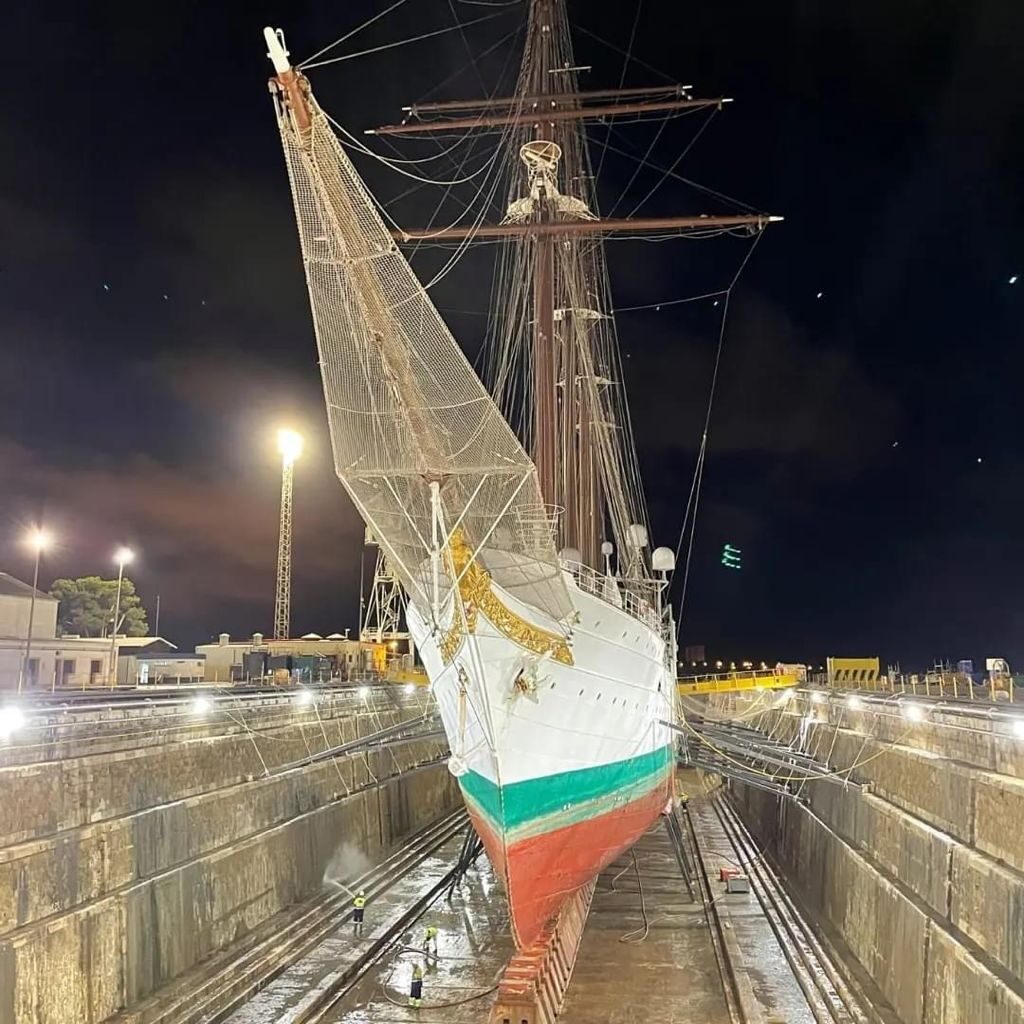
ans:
(920, 874)
(125, 865)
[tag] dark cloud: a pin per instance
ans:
(779, 393)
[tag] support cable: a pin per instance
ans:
(699, 472)
(308, 66)
(348, 35)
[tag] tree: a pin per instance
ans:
(87, 606)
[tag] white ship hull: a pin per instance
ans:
(563, 763)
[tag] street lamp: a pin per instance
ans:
(38, 540)
(122, 556)
(289, 444)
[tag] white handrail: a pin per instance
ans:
(601, 586)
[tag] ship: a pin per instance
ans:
(511, 512)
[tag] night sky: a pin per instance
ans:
(865, 451)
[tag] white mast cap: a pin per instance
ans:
(275, 50)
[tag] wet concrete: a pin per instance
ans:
(300, 986)
(473, 947)
(669, 976)
(772, 982)
(663, 971)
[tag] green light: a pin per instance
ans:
(731, 557)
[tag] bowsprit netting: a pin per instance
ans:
(405, 408)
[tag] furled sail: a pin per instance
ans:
(418, 442)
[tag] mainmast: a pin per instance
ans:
(575, 432)
(545, 163)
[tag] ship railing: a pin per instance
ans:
(536, 526)
(618, 593)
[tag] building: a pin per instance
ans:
(311, 658)
(154, 661)
(55, 661)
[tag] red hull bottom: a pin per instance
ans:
(542, 871)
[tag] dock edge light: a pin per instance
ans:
(202, 706)
(304, 698)
(11, 719)
(913, 712)
(854, 702)
(364, 692)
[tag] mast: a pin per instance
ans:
(577, 425)
(544, 360)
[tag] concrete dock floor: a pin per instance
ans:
(474, 944)
(627, 972)
(671, 976)
(772, 983)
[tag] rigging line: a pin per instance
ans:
(458, 170)
(670, 302)
(441, 153)
(480, 56)
(469, 49)
(619, 49)
(358, 28)
(359, 147)
(707, 426)
(675, 163)
(679, 177)
(689, 503)
(639, 164)
(403, 42)
(622, 80)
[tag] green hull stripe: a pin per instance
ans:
(584, 791)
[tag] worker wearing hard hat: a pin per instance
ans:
(416, 986)
(358, 909)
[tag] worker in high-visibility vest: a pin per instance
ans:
(430, 942)
(416, 986)
(358, 908)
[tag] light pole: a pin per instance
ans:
(123, 556)
(38, 540)
(289, 444)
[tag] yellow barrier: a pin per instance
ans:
(406, 676)
(734, 682)
(854, 673)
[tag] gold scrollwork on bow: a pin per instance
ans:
(476, 597)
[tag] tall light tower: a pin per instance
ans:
(289, 444)
(38, 540)
(122, 556)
